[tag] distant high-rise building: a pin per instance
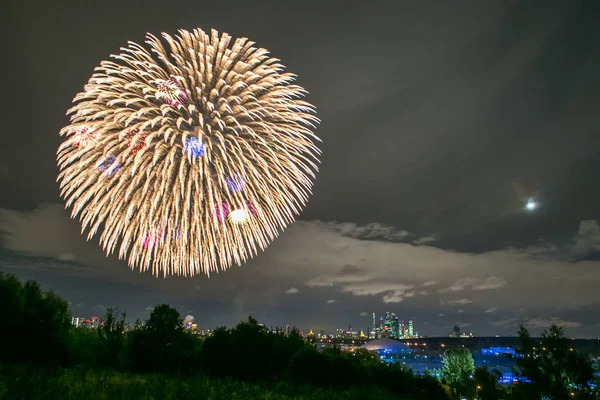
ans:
(456, 331)
(378, 328)
(77, 321)
(387, 329)
(402, 329)
(287, 329)
(396, 327)
(374, 322)
(410, 328)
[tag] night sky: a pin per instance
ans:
(438, 120)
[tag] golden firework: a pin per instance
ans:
(190, 157)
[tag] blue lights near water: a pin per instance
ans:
(511, 378)
(235, 182)
(496, 351)
(110, 166)
(194, 148)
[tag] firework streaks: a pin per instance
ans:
(135, 140)
(84, 137)
(206, 133)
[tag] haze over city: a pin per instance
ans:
(458, 175)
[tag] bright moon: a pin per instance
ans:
(531, 205)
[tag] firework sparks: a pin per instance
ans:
(84, 137)
(235, 183)
(109, 165)
(171, 92)
(188, 135)
(239, 216)
(194, 148)
(135, 140)
(221, 211)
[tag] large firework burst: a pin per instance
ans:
(188, 160)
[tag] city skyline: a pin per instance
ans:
(458, 177)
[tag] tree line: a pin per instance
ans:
(36, 329)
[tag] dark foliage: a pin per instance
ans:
(555, 369)
(162, 345)
(36, 331)
(241, 352)
(35, 325)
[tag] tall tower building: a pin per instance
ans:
(402, 329)
(378, 328)
(410, 328)
(387, 325)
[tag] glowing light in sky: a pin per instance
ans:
(188, 122)
(239, 216)
(531, 204)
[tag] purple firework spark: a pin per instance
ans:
(221, 211)
(171, 92)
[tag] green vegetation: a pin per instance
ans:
(555, 369)
(22, 382)
(458, 368)
(44, 357)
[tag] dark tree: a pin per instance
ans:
(112, 336)
(555, 369)
(11, 323)
(35, 325)
(486, 385)
(162, 345)
(259, 354)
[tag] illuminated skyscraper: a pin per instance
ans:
(396, 327)
(402, 329)
(372, 328)
(410, 328)
(389, 326)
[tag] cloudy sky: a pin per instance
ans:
(438, 118)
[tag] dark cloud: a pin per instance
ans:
(437, 120)
(587, 240)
